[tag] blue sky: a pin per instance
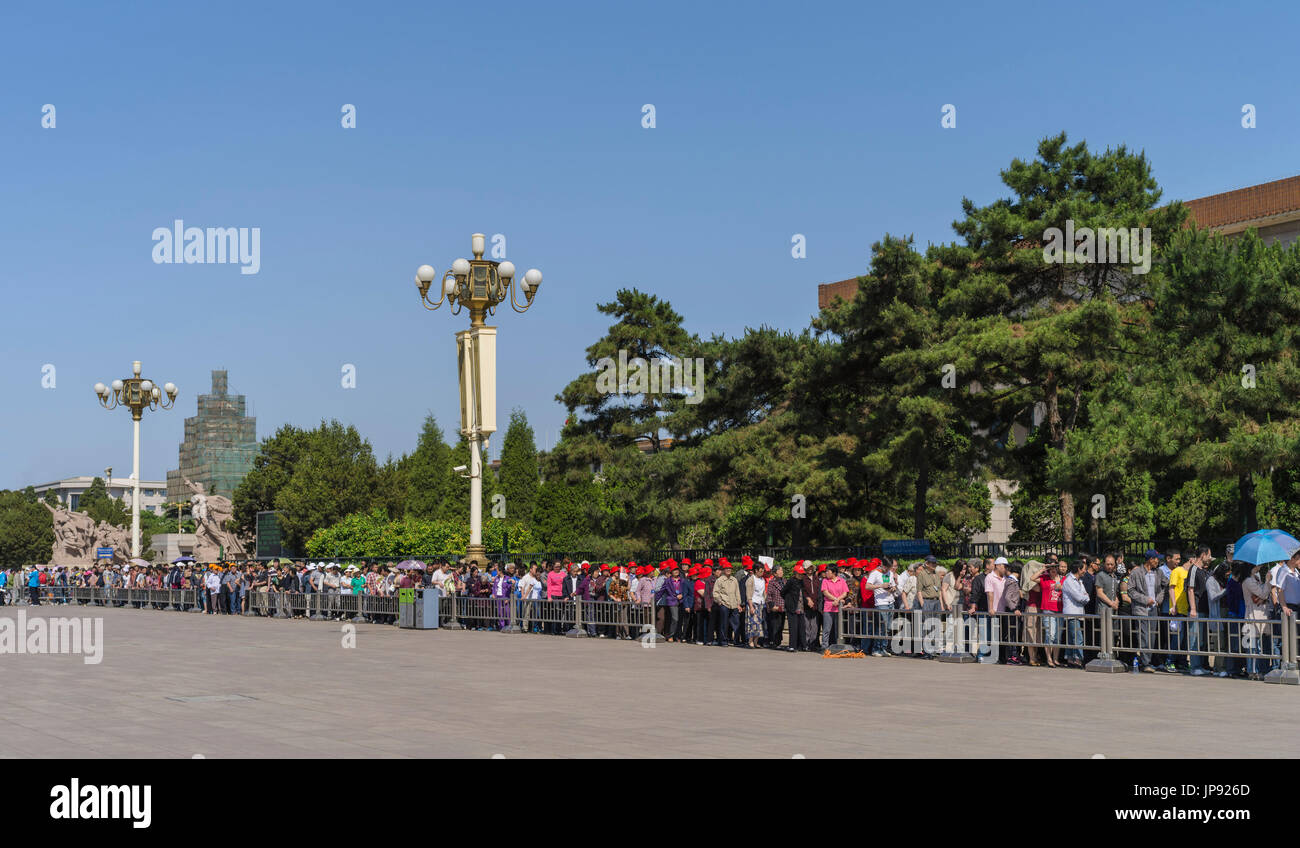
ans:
(525, 119)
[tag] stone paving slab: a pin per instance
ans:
(407, 693)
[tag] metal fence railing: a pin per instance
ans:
(1100, 642)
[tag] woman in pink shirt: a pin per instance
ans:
(834, 588)
(554, 582)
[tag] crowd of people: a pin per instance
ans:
(1035, 613)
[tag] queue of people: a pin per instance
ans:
(1033, 613)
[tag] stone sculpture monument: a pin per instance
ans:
(211, 512)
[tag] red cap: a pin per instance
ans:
(708, 562)
(707, 572)
(798, 569)
(821, 568)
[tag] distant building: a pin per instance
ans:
(153, 493)
(1271, 209)
(220, 444)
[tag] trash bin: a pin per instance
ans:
(426, 609)
(406, 608)
(417, 609)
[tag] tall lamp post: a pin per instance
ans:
(137, 395)
(480, 285)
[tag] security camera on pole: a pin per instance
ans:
(480, 284)
(137, 395)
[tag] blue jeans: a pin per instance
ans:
(883, 625)
(1177, 629)
(1075, 630)
(1195, 640)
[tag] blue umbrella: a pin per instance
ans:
(1288, 542)
(1262, 546)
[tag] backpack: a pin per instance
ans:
(42, 578)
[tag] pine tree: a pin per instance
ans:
(1040, 335)
(518, 477)
(428, 473)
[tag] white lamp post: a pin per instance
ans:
(480, 284)
(137, 395)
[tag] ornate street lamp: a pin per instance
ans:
(136, 394)
(480, 285)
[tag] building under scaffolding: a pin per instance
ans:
(220, 444)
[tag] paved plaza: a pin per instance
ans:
(178, 685)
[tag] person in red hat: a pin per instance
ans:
(671, 597)
(617, 589)
(743, 576)
(701, 615)
(727, 605)
(710, 613)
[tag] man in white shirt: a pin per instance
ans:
(1284, 585)
(1073, 599)
(530, 590)
(883, 585)
(212, 583)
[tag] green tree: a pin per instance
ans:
(560, 517)
(888, 385)
(1039, 335)
(99, 505)
(335, 475)
(26, 531)
(272, 469)
(519, 476)
(428, 473)
(393, 486)
(618, 412)
(1224, 379)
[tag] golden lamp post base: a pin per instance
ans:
(476, 555)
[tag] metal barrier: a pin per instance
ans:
(618, 619)
(1268, 648)
(485, 613)
(542, 615)
(381, 609)
(1228, 644)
